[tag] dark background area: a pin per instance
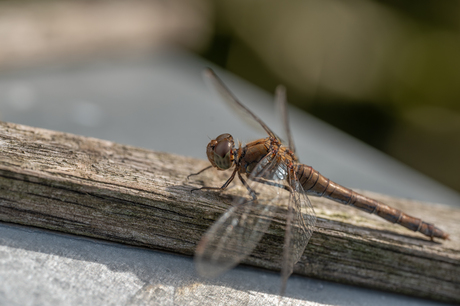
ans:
(386, 72)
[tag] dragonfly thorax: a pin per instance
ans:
(220, 152)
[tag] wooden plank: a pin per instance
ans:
(101, 189)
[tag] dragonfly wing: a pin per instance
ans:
(300, 222)
(233, 102)
(281, 107)
(235, 235)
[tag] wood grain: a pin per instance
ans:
(101, 189)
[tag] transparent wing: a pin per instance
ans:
(300, 222)
(281, 107)
(235, 235)
(233, 102)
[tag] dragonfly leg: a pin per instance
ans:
(268, 182)
(217, 188)
(251, 192)
(199, 172)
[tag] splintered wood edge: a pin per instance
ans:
(105, 190)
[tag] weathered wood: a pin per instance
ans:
(101, 189)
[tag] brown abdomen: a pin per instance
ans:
(316, 184)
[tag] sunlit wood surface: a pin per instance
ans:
(96, 188)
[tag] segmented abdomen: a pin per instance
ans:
(316, 184)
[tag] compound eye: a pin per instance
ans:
(223, 148)
(220, 151)
(223, 137)
(222, 154)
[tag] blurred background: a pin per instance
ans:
(386, 72)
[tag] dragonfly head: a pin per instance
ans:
(220, 152)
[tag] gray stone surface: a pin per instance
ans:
(161, 103)
(39, 267)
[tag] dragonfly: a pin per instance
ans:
(275, 181)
